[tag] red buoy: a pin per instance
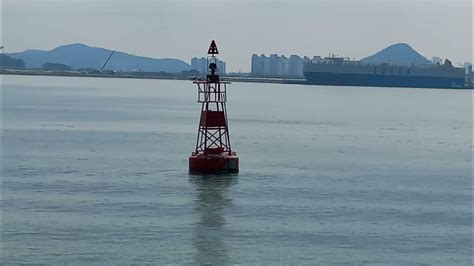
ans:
(213, 153)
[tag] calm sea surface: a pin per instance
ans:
(95, 171)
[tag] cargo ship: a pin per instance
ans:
(343, 71)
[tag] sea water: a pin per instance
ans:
(95, 171)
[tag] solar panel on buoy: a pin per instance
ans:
(213, 153)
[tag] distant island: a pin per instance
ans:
(80, 56)
(398, 54)
(9, 62)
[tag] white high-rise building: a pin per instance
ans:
(257, 65)
(221, 65)
(266, 66)
(286, 66)
(296, 66)
(277, 66)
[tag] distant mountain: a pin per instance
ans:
(11, 63)
(84, 56)
(400, 53)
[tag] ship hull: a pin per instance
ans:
(359, 79)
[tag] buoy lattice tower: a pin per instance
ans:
(213, 153)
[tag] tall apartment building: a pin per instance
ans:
(257, 65)
(277, 66)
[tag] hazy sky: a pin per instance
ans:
(183, 28)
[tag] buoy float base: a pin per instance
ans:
(213, 163)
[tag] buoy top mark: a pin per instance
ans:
(213, 48)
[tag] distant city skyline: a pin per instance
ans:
(277, 66)
(183, 29)
(201, 64)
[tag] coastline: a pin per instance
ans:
(148, 76)
(138, 75)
